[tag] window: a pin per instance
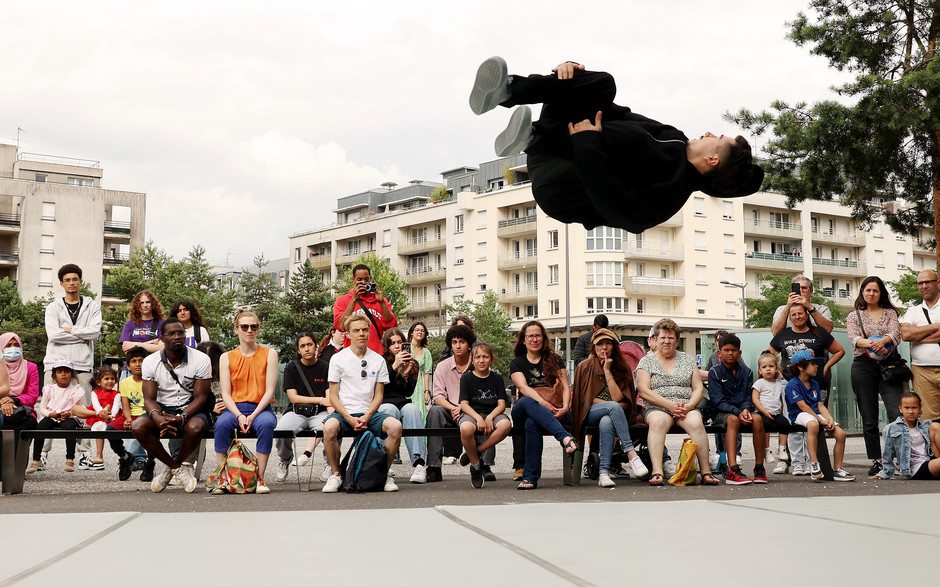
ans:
(45, 243)
(419, 235)
(481, 251)
(45, 277)
(41, 177)
(554, 308)
(496, 184)
(667, 307)
(458, 255)
(729, 243)
(353, 248)
(729, 273)
(607, 304)
(297, 255)
(700, 307)
(552, 239)
(730, 309)
(876, 230)
(640, 306)
(530, 211)
(879, 258)
(531, 311)
(640, 269)
(604, 274)
(481, 279)
(700, 275)
(481, 219)
(726, 210)
(552, 274)
(386, 238)
(664, 272)
(80, 181)
(604, 238)
(699, 206)
(699, 240)
(458, 223)
(48, 210)
(902, 261)
(370, 243)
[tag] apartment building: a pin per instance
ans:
(490, 235)
(228, 278)
(54, 211)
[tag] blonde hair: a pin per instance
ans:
(246, 313)
(354, 318)
(772, 357)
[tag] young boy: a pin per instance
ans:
(913, 442)
(58, 401)
(482, 401)
(729, 393)
(132, 403)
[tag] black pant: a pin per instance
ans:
(50, 424)
(868, 384)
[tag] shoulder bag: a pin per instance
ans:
(305, 410)
(893, 367)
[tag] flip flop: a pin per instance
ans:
(656, 479)
(570, 445)
(709, 479)
(526, 486)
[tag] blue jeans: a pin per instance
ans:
(536, 419)
(263, 426)
(411, 419)
(610, 420)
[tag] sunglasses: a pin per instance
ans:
(247, 327)
(363, 374)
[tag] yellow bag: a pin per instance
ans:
(686, 472)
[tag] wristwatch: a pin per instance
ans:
(813, 309)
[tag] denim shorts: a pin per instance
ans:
(375, 423)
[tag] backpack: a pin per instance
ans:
(365, 466)
(239, 472)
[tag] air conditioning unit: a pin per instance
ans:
(458, 262)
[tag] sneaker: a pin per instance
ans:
(69, 466)
(420, 475)
(476, 476)
(33, 467)
(304, 460)
(841, 474)
(396, 460)
(876, 468)
(815, 471)
(174, 480)
(781, 468)
(783, 455)
(464, 460)
(333, 483)
(390, 485)
(187, 478)
(161, 481)
(760, 474)
(449, 460)
(326, 474)
(138, 465)
(124, 466)
(147, 473)
(491, 85)
(604, 480)
(517, 134)
(283, 469)
(617, 472)
(85, 464)
(488, 473)
(639, 469)
(262, 487)
(43, 460)
(769, 456)
(797, 469)
(434, 475)
(518, 473)
(669, 468)
(736, 477)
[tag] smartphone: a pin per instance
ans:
(795, 288)
(406, 346)
(371, 287)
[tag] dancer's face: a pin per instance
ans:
(710, 144)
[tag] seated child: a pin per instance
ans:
(105, 409)
(913, 442)
(59, 399)
(805, 408)
(132, 407)
(767, 396)
(483, 401)
(729, 391)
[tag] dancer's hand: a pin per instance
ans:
(585, 125)
(566, 70)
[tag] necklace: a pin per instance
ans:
(73, 314)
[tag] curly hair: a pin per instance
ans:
(551, 362)
(134, 314)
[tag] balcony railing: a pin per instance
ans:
(421, 270)
(115, 259)
(785, 258)
(107, 291)
(835, 262)
(9, 254)
(116, 226)
(9, 219)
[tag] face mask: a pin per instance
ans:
(12, 353)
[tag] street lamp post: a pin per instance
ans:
(743, 303)
(440, 305)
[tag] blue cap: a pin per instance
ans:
(802, 355)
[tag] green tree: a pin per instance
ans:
(490, 323)
(906, 288)
(392, 283)
(307, 305)
(884, 140)
(27, 320)
(257, 288)
(774, 293)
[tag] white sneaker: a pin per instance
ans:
(390, 485)
(333, 483)
(187, 478)
(161, 481)
(797, 469)
(420, 475)
(303, 460)
(283, 469)
(639, 469)
(781, 468)
(604, 480)
(669, 468)
(327, 472)
(449, 460)
(262, 488)
(769, 456)
(782, 454)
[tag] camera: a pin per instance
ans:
(370, 287)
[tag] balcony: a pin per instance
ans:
(921, 248)
(837, 267)
(658, 286)
(773, 228)
(517, 260)
(351, 254)
(839, 296)
(837, 237)
(653, 251)
(420, 244)
(115, 259)
(516, 227)
(318, 261)
(9, 223)
(113, 227)
(424, 274)
(519, 295)
(774, 262)
(9, 256)
(420, 305)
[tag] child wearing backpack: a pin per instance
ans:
(915, 443)
(482, 401)
(59, 400)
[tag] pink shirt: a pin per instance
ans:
(58, 399)
(447, 380)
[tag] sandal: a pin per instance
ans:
(656, 479)
(709, 479)
(569, 445)
(69, 466)
(526, 486)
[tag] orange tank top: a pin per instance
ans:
(248, 374)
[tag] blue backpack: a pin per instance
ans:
(365, 466)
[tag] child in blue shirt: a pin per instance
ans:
(805, 408)
(914, 442)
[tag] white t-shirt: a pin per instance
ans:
(355, 390)
(918, 449)
(191, 336)
(771, 394)
(176, 391)
(923, 354)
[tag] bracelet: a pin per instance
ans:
(150, 413)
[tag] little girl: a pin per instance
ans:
(104, 413)
(805, 408)
(483, 401)
(913, 442)
(767, 395)
(56, 408)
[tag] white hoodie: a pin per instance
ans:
(79, 346)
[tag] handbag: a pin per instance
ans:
(893, 367)
(687, 471)
(238, 473)
(20, 414)
(306, 410)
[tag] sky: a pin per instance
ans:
(243, 122)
